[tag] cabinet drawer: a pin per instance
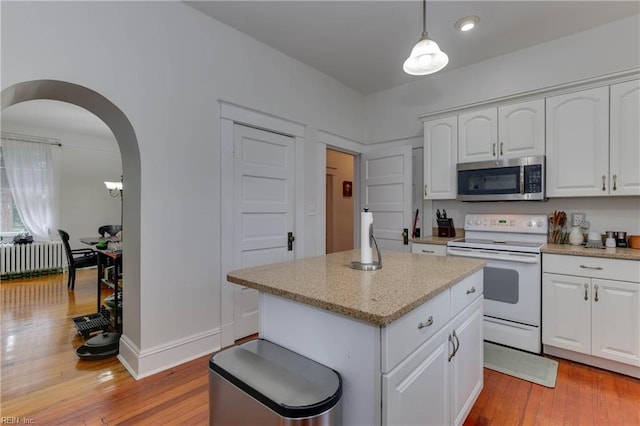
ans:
(466, 291)
(404, 335)
(595, 267)
(432, 249)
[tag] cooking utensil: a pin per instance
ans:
(415, 224)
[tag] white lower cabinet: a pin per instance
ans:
(440, 381)
(591, 306)
(419, 389)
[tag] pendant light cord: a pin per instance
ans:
(424, 18)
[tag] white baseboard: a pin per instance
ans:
(594, 361)
(150, 361)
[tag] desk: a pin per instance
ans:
(107, 259)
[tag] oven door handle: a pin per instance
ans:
(488, 254)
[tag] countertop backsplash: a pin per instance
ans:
(603, 213)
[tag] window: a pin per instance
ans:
(10, 222)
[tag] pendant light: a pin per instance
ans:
(426, 56)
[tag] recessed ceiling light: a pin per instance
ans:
(467, 23)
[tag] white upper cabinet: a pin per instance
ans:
(478, 135)
(593, 142)
(624, 143)
(521, 129)
(440, 158)
(577, 143)
(508, 131)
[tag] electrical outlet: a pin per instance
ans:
(577, 219)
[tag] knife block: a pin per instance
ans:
(446, 228)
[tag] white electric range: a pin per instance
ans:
(511, 245)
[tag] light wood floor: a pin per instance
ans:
(44, 381)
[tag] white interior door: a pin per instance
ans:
(264, 172)
(387, 183)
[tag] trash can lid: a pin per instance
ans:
(288, 383)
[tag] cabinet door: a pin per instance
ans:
(616, 321)
(578, 143)
(566, 312)
(417, 391)
(624, 147)
(440, 158)
(467, 375)
(521, 129)
(478, 135)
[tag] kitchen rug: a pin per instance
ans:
(523, 365)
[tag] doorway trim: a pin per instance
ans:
(334, 142)
(231, 114)
(117, 121)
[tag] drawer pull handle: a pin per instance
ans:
(595, 298)
(604, 178)
(428, 323)
(428, 251)
(471, 290)
(598, 268)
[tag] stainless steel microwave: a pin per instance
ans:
(515, 179)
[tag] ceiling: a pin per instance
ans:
(363, 44)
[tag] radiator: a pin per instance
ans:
(26, 260)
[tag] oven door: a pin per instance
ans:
(512, 284)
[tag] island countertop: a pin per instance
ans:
(405, 282)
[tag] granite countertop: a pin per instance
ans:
(405, 282)
(611, 253)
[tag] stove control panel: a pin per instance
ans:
(520, 223)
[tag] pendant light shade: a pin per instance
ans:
(426, 56)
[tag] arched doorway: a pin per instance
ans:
(124, 134)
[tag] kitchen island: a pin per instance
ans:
(406, 339)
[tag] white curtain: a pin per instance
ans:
(33, 175)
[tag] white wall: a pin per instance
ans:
(391, 116)
(86, 161)
(166, 66)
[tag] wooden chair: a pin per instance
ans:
(77, 258)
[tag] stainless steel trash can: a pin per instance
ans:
(261, 383)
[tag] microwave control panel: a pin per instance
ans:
(533, 179)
